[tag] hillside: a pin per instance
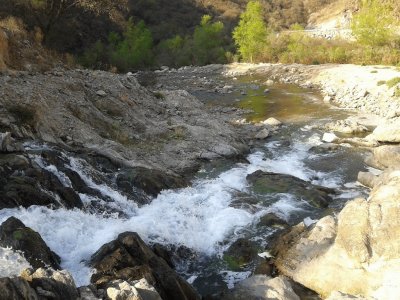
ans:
(75, 25)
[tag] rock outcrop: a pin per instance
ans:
(128, 258)
(132, 126)
(22, 183)
(357, 253)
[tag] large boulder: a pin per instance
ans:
(14, 234)
(267, 182)
(387, 156)
(262, 287)
(128, 258)
(388, 132)
(358, 254)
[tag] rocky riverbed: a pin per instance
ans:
(134, 183)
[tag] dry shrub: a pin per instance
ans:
(13, 25)
(3, 50)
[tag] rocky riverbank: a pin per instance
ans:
(355, 253)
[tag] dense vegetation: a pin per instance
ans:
(133, 34)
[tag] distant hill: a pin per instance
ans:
(83, 24)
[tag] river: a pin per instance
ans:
(220, 206)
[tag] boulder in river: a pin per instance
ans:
(387, 156)
(150, 181)
(272, 122)
(14, 234)
(388, 132)
(267, 183)
(128, 258)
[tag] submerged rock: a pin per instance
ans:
(240, 253)
(14, 234)
(267, 183)
(129, 258)
(272, 220)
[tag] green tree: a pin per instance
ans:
(373, 25)
(208, 42)
(251, 34)
(134, 50)
(176, 51)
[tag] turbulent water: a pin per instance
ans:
(202, 217)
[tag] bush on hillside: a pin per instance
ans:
(374, 24)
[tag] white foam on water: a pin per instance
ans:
(65, 181)
(199, 217)
(231, 278)
(12, 263)
(121, 201)
(285, 206)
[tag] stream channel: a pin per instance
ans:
(220, 206)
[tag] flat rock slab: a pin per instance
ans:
(268, 183)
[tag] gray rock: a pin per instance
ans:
(16, 289)
(263, 287)
(14, 234)
(272, 122)
(387, 132)
(101, 93)
(8, 145)
(262, 134)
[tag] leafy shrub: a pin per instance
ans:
(131, 51)
(208, 42)
(134, 50)
(381, 82)
(373, 24)
(393, 82)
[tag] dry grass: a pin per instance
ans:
(3, 50)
